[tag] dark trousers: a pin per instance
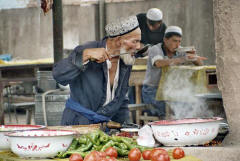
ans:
(148, 97)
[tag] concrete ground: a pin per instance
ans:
(224, 153)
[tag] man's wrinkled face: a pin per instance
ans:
(172, 43)
(130, 43)
(128, 59)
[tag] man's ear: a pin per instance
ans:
(164, 40)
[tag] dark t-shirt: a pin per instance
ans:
(148, 36)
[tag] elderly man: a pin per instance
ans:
(98, 76)
(152, 26)
(161, 55)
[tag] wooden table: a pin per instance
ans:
(18, 73)
(136, 79)
(9, 156)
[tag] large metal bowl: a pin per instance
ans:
(194, 131)
(4, 143)
(40, 143)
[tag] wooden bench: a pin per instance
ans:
(140, 116)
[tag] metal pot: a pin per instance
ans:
(192, 131)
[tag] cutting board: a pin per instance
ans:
(81, 129)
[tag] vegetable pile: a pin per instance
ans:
(99, 141)
(98, 146)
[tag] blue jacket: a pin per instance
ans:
(88, 83)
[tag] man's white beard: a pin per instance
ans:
(128, 59)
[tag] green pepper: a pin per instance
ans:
(86, 147)
(121, 145)
(82, 146)
(121, 152)
(107, 145)
(127, 143)
(130, 140)
(73, 144)
(82, 139)
(116, 139)
(97, 147)
(68, 153)
(103, 137)
(94, 137)
(60, 154)
(142, 148)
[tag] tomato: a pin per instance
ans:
(102, 154)
(146, 154)
(111, 152)
(157, 151)
(103, 159)
(161, 157)
(93, 156)
(112, 159)
(134, 154)
(89, 157)
(178, 153)
(75, 157)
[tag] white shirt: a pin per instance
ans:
(111, 94)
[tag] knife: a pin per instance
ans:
(141, 51)
(116, 125)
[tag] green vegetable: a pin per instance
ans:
(82, 140)
(100, 141)
(121, 152)
(85, 147)
(73, 144)
(116, 139)
(107, 145)
(127, 142)
(94, 137)
(121, 145)
(68, 153)
(97, 147)
(104, 138)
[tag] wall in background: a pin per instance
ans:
(26, 32)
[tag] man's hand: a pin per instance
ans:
(193, 57)
(96, 54)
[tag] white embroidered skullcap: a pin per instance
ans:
(122, 26)
(174, 29)
(154, 14)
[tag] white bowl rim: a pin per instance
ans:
(129, 129)
(16, 134)
(24, 127)
(177, 121)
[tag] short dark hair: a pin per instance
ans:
(152, 23)
(171, 34)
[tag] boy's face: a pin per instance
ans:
(172, 43)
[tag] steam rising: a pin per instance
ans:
(179, 90)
